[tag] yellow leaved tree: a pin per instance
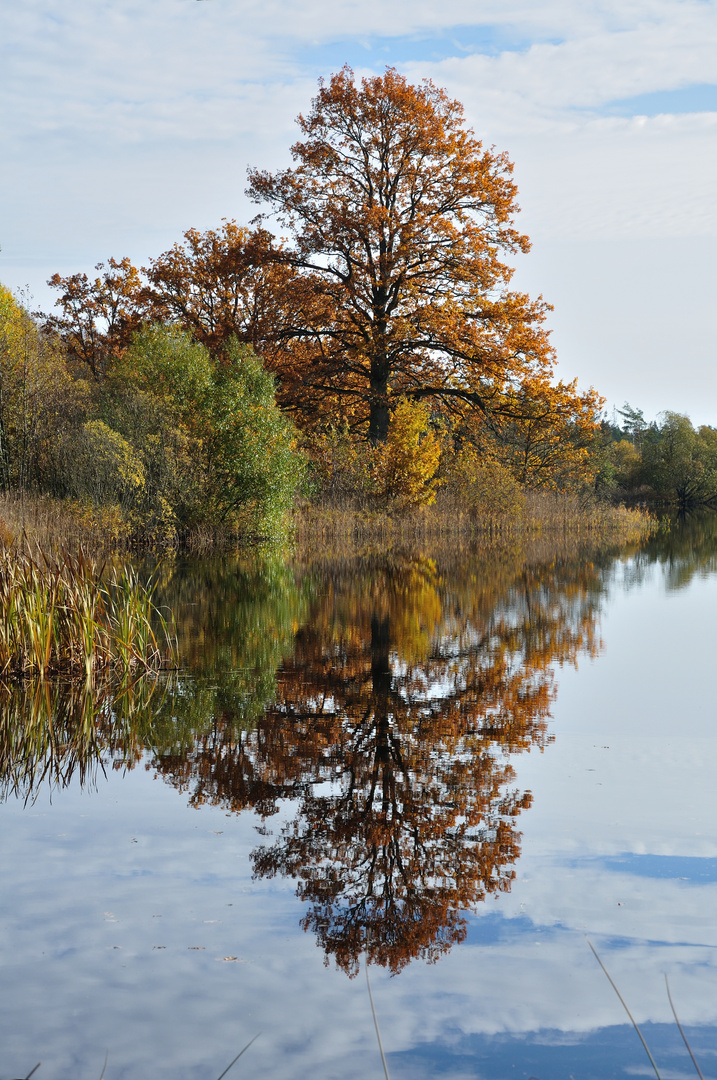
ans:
(405, 466)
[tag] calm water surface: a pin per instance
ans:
(458, 765)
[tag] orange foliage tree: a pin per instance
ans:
(546, 432)
(100, 315)
(392, 284)
(224, 282)
(400, 221)
(218, 284)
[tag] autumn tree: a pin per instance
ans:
(546, 432)
(98, 315)
(220, 284)
(404, 467)
(400, 221)
(38, 400)
(223, 283)
(392, 282)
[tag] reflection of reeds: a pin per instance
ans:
(61, 615)
(104, 1067)
(53, 731)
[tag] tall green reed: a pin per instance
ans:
(63, 614)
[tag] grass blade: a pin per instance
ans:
(375, 1022)
(222, 1075)
(684, 1037)
(624, 1005)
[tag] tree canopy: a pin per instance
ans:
(386, 298)
(400, 222)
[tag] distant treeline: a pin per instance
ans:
(669, 461)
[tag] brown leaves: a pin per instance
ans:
(222, 282)
(99, 317)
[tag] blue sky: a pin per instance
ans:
(122, 124)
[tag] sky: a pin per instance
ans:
(123, 124)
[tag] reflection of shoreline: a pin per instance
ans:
(391, 732)
(385, 699)
(53, 732)
(452, 553)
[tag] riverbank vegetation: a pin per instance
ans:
(65, 616)
(374, 364)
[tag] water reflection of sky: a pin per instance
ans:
(130, 922)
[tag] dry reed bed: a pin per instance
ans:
(61, 615)
(54, 523)
(548, 516)
(50, 522)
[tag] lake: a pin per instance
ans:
(462, 764)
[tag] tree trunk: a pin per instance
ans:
(379, 415)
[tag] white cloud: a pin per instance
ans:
(550, 81)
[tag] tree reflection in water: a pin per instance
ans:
(392, 731)
(384, 698)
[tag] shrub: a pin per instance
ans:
(253, 465)
(405, 467)
(482, 485)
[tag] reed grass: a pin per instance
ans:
(634, 1022)
(51, 523)
(54, 523)
(63, 615)
(542, 515)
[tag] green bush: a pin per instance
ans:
(253, 466)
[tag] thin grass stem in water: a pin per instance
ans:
(681, 1031)
(624, 1005)
(375, 1019)
(231, 1063)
